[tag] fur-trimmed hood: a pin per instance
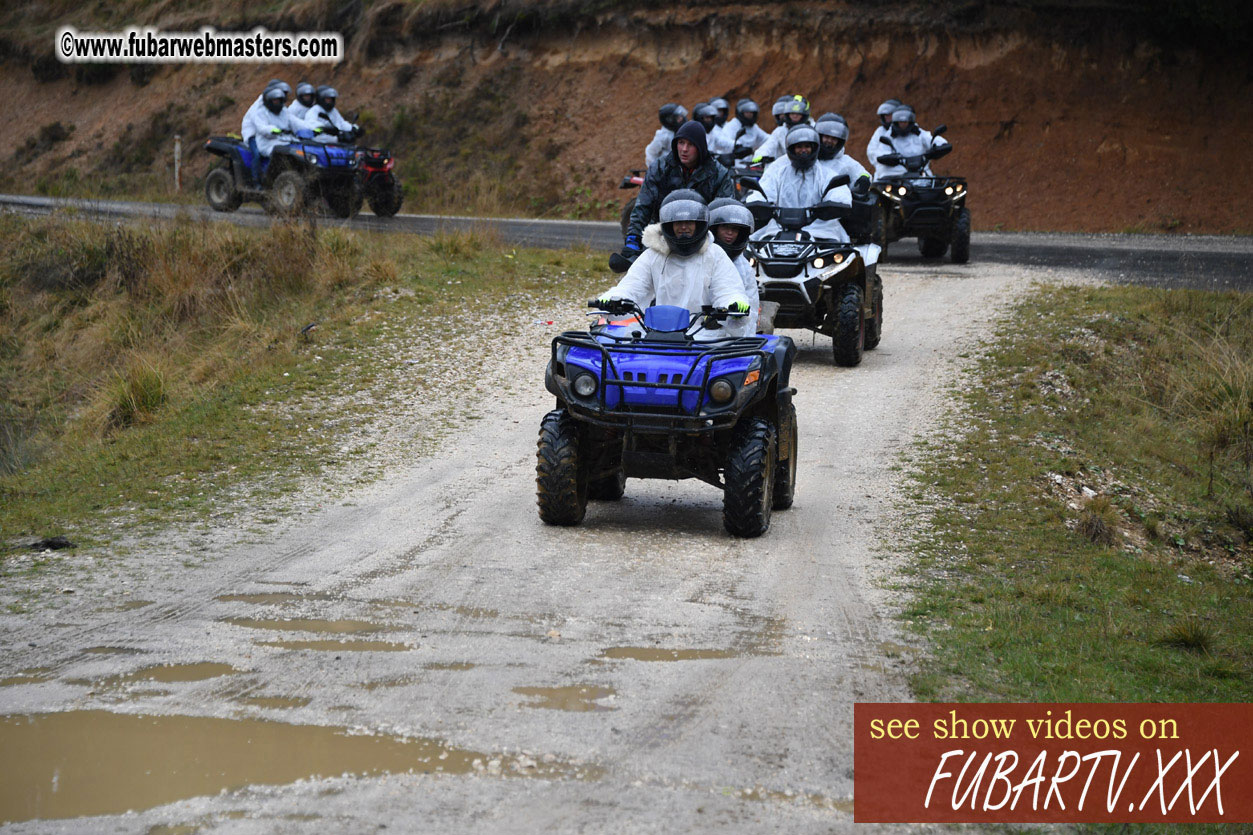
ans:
(654, 240)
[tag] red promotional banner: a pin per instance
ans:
(1060, 763)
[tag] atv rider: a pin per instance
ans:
(906, 139)
(800, 182)
(326, 121)
(746, 135)
(305, 96)
(874, 147)
(687, 166)
(681, 266)
(246, 130)
(731, 224)
(795, 112)
(271, 123)
(721, 143)
(671, 115)
(834, 137)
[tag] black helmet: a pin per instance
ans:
(828, 126)
(746, 111)
(684, 204)
(327, 95)
(706, 114)
(727, 211)
(305, 90)
(798, 135)
(274, 98)
(672, 115)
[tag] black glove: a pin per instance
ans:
(862, 187)
(620, 262)
(742, 151)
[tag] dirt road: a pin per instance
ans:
(642, 672)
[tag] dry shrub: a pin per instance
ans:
(1098, 521)
(1190, 633)
(134, 395)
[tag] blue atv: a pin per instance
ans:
(294, 177)
(642, 397)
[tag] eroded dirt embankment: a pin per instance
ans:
(1058, 126)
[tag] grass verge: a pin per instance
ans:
(1087, 515)
(169, 373)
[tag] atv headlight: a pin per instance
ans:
(721, 391)
(901, 191)
(961, 187)
(818, 263)
(584, 385)
(948, 190)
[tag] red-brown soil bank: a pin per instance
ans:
(1061, 121)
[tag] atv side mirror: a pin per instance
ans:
(749, 184)
(836, 182)
(939, 131)
(886, 141)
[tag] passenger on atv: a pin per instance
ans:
(747, 136)
(731, 223)
(272, 126)
(905, 141)
(306, 95)
(799, 181)
(681, 265)
(687, 166)
(671, 116)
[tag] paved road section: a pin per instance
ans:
(1198, 262)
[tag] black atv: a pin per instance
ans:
(294, 177)
(821, 285)
(933, 209)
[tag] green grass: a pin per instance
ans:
(1030, 589)
(160, 374)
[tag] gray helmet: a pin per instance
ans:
(746, 111)
(722, 107)
(888, 106)
(727, 211)
(304, 88)
(779, 108)
(684, 204)
(799, 134)
(903, 114)
(672, 115)
(828, 116)
(706, 114)
(830, 127)
(273, 98)
(327, 93)
(798, 104)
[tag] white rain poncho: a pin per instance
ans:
(662, 277)
(789, 188)
(911, 144)
(659, 147)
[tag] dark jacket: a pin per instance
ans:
(709, 178)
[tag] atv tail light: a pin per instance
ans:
(721, 391)
(585, 385)
(752, 377)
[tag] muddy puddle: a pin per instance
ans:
(321, 627)
(170, 674)
(112, 651)
(578, 698)
(658, 654)
(31, 675)
(65, 765)
(339, 646)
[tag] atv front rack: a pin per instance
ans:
(596, 410)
